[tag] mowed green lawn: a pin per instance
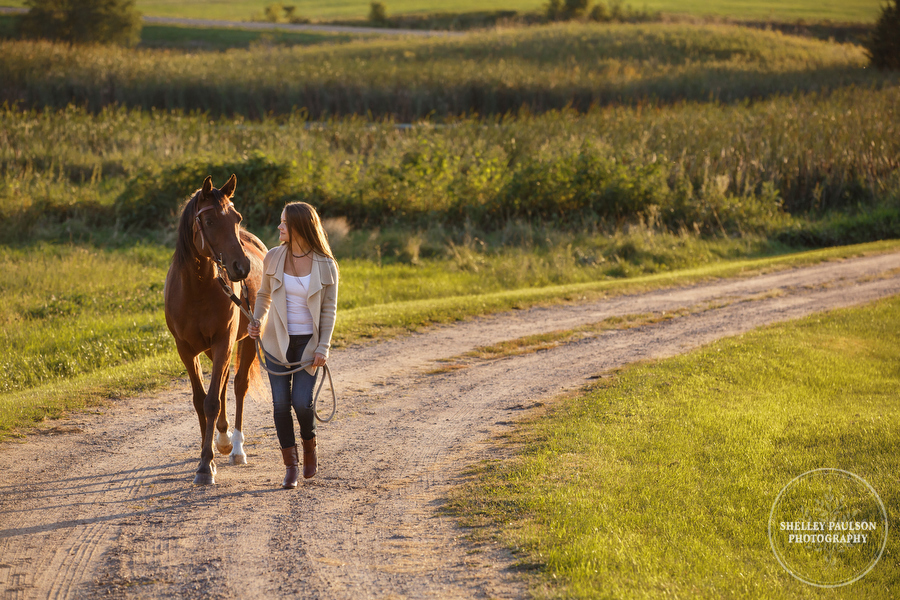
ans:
(238, 10)
(835, 10)
(659, 482)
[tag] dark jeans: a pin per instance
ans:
(293, 391)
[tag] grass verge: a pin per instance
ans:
(659, 482)
(384, 320)
(57, 398)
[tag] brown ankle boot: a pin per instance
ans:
(292, 467)
(310, 462)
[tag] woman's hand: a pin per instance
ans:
(318, 361)
(253, 330)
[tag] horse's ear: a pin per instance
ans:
(207, 185)
(228, 189)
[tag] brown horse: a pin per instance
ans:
(211, 244)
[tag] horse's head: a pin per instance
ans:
(217, 228)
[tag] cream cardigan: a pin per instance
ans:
(322, 300)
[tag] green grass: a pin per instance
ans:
(8, 25)
(70, 310)
(211, 38)
(409, 315)
(542, 68)
(792, 120)
(733, 168)
(195, 38)
(660, 482)
(835, 10)
(450, 218)
(59, 398)
(78, 320)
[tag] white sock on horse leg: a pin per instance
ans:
(237, 453)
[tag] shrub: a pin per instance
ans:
(378, 12)
(154, 197)
(280, 13)
(273, 13)
(554, 10)
(884, 44)
(83, 21)
(600, 12)
(290, 13)
(616, 10)
(575, 9)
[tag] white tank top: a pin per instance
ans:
(299, 318)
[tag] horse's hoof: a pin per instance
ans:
(204, 479)
(223, 442)
(237, 459)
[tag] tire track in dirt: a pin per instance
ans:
(103, 503)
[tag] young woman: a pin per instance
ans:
(299, 285)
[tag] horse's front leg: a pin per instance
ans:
(212, 405)
(198, 394)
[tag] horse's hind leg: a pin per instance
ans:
(246, 356)
(223, 436)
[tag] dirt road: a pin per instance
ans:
(103, 504)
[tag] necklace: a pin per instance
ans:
(302, 255)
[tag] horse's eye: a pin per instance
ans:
(209, 222)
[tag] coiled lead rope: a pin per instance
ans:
(296, 368)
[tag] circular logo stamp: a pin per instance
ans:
(828, 527)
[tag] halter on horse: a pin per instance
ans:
(203, 320)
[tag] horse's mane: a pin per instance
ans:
(184, 245)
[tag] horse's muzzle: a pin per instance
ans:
(239, 269)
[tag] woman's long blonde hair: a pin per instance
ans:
(302, 219)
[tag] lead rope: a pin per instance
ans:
(292, 367)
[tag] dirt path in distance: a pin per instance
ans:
(103, 504)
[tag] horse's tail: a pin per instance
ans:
(254, 375)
